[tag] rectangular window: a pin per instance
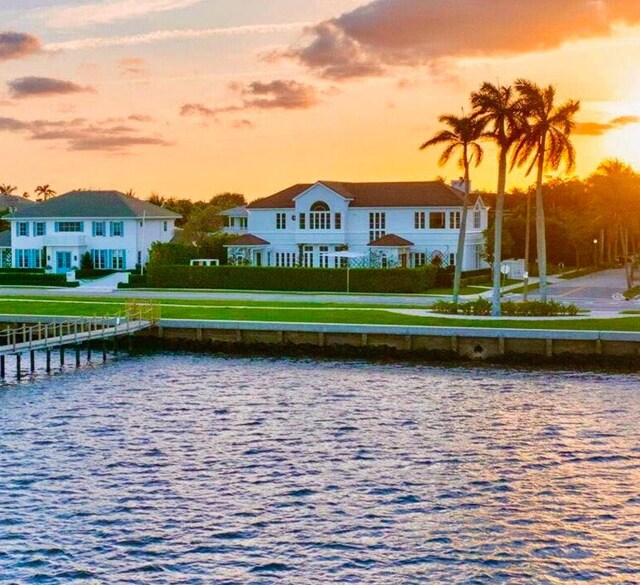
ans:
(244, 222)
(99, 229)
(338, 221)
(69, 226)
(281, 221)
(437, 220)
(28, 259)
(117, 229)
(99, 258)
(303, 221)
(324, 260)
(377, 225)
(454, 220)
(39, 228)
(419, 259)
(23, 228)
(452, 259)
(117, 259)
(419, 220)
(307, 256)
(477, 220)
(165, 226)
(320, 220)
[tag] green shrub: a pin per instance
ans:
(135, 281)
(86, 262)
(93, 273)
(482, 306)
(396, 280)
(33, 279)
(21, 270)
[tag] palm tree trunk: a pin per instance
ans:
(541, 237)
(457, 276)
(527, 246)
(496, 309)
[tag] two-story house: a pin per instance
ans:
(379, 224)
(116, 229)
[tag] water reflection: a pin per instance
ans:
(197, 470)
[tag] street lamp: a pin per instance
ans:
(595, 253)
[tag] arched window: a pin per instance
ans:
(319, 206)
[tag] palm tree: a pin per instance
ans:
(496, 107)
(546, 142)
(7, 189)
(45, 192)
(463, 133)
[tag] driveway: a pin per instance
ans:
(594, 291)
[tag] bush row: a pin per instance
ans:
(396, 280)
(34, 279)
(482, 307)
(21, 270)
(445, 277)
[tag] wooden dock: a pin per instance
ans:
(48, 336)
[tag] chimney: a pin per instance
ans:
(459, 184)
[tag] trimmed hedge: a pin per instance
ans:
(21, 270)
(445, 277)
(34, 279)
(395, 280)
(135, 281)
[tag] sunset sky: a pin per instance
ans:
(193, 97)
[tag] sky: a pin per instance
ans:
(190, 98)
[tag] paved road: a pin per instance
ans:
(594, 291)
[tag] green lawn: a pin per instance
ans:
(214, 310)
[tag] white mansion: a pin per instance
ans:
(330, 224)
(116, 229)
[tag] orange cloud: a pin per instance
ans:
(599, 128)
(385, 33)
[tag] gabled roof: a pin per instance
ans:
(90, 204)
(5, 239)
(395, 194)
(247, 240)
(13, 202)
(390, 241)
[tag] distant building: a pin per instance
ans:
(379, 224)
(116, 229)
(235, 221)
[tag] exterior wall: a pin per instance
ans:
(133, 245)
(355, 234)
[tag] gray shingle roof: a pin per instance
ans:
(11, 201)
(83, 204)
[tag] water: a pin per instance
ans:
(200, 470)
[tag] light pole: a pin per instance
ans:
(595, 253)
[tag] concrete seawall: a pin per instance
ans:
(465, 343)
(451, 343)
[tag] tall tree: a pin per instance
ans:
(45, 192)
(462, 134)
(496, 107)
(546, 142)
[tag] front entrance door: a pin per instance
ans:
(258, 258)
(63, 261)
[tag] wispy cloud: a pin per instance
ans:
(80, 134)
(600, 128)
(27, 87)
(171, 35)
(105, 12)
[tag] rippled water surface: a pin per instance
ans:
(184, 469)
